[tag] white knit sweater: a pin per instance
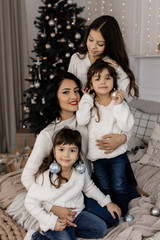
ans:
(42, 196)
(113, 119)
(79, 67)
(43, 146)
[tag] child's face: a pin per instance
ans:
(102, 83)
(95, 44)
(66, 155)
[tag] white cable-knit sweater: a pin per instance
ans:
(41, 197)
(79, 67)
(44, 144)
(113, 119)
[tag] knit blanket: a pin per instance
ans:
(9, 229)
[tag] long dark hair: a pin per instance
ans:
(51, 109)
(114, 46)
(64, 136)
(97, 67)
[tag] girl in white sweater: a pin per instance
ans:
(102, 114)
(60, 180)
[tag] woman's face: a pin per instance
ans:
(68, 98)
(95, 45)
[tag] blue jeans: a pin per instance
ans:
(88, 226)
(111, 177)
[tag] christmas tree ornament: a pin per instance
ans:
(48, 46)
(62, 40)
(49, 5)
(113, 95)
(51, 76)
(59, 26)
(71, 45)
(43, 100)
(154, 211)
(67, 55)
(24, 126)
(77, 36)
(43, 1)
(35, 44)
(30, 69)
(51, 22)
(128, 218)
(68, 27)
(81, 168)
(43, 35)
(53, 34)
(47, 17)
(30, 77)
(37, 84)
(54, 167)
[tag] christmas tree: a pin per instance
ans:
(60, 32)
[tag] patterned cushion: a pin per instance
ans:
(153, 151)
(143, 124)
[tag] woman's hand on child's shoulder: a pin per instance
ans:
(113, 208)
(88, 91)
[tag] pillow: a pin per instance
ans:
(143, 124)
(152, 156)
(134, 143)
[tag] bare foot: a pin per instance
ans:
(141, 192)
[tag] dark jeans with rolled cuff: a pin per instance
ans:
(110, 176)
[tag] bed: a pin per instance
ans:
(144, 155)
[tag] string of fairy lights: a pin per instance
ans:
(107, 7)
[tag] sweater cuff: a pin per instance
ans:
(105, 201)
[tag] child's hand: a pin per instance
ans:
(88, 91)
(60, 224)
(119, 97)
(114, 208)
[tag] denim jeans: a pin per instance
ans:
(88, 226)
(111, 177)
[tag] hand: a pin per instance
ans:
(119, 97)
(113, 208)
(112, 63)
(88, 91)
(60, 225)
(110, 142)
(65, 214)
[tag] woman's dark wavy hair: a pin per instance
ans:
(64, 136)
(97, 67)
(51, 109)
(114, 46)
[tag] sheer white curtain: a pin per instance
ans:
(13, 70)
